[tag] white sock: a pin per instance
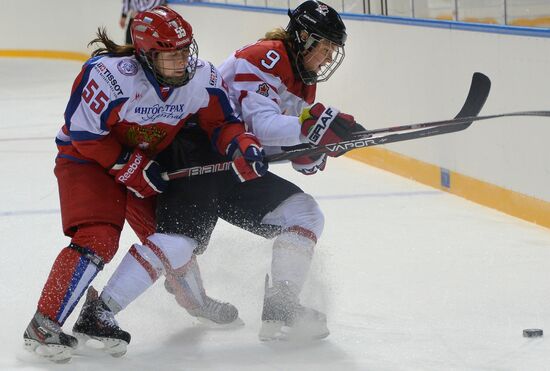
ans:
(291, 259)
(129, 281)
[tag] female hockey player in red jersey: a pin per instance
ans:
(272, 85)
(127, 104)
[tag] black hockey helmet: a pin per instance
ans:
(319, 21)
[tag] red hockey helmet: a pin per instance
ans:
(162, 29)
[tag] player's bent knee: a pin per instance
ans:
(100, 239)
(302, 211)
(174, 251)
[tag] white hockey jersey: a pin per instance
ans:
(115, 103)
(267, 94)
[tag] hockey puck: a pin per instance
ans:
(532, 333)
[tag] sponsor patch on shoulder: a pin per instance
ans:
(263, 89)
(213, 75)
(127, 67)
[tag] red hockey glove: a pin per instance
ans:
(247, 155)
(309, 165)
(323, 126)
(138, 173)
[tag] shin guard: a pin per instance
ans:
(72, 272)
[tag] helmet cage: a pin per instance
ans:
(325, 71)
(150, 60)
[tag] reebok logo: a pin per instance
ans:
(131, 169)
(323, 123)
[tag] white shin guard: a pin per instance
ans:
(128, 282)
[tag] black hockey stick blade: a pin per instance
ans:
(477, 96)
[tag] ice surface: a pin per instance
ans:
(411, 278)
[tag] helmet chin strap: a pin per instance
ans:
(310, 42)
(174, 81)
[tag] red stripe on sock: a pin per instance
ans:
(158, 252)
(144, 263)
(302, 232)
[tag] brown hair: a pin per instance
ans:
(108, 46)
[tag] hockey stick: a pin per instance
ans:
(477, 95)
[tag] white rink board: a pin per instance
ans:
(392, 74)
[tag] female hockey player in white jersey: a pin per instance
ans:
(127, 104)
(272, 86)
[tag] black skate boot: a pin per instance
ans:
(96, 321)
(45, 338)
(284, 318)
(205, 308)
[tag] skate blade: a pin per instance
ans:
(52, 352)
(238, 322)
(114, 347)
(278, 331)
(273, 330)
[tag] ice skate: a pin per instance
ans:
(45, 338)
(97, 322)
(208, 310)
(284, 318)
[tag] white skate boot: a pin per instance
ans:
(284, 318)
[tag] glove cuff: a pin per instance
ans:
(241, 142)
(120, 162)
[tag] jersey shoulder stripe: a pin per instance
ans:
(269, 56)
(250, 77)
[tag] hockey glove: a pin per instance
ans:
(323, 126)
(247, 155)
(138, 173)
(309, 165)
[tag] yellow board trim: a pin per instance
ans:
(513, 203)
(48, 54)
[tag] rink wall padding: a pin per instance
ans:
(487, 194)
(397, 71)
